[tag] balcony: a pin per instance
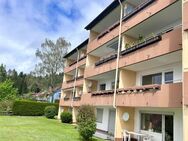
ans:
(65, 102)
(128, 16)
(73, 65)
(152, 48)
(140, 14)
(106, 59)
(167, 95)
(70, 83)
(97, 100)
(141, 44)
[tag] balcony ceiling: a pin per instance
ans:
(113, 17)
(157, 62)
(165, 18)
(105, 49)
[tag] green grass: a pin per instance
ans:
(36, 129)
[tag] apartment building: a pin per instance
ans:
(151, 97)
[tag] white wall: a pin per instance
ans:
(108, 83)
(178, 124)
(176, 68)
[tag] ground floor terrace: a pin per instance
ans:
(138, 123)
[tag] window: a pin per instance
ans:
(152, 79)
(102, 87)
(128, 9)
(168, 77)
(151, 122)
(113, 85)
(99, 115)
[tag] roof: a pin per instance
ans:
(75, 49)
(103, 14)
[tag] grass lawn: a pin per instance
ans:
(14, 128)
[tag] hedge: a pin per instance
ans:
(31, 108)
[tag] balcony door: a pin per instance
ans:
(158, 126)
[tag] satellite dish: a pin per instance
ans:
(125, 116)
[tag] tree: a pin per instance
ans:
(7, 91)
(86, 121)
(51, 58)
(3, 73)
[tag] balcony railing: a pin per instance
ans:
(66, 98)
(141, 44)
(105, 92)
(126, 17)
(77, 78)
(78, 60)
(140, 89)
(77, 98)
(138, 9)
(105, 60)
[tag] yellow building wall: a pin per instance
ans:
(127, 78)
(121, 124)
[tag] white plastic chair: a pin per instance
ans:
(126, 135)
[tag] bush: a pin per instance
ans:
(86, 122)
(50, 112)
(31, 108)
(66, 117)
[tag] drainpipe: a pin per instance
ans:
(76, 73)
(117, 62)
(118, 54)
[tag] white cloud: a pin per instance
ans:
(25, 24)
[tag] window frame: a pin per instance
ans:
(166, 82)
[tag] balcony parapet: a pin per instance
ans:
(106, 92)
(70, 83)
(142, 44)
(105, 60)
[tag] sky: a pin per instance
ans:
(24, 25)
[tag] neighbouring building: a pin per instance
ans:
(152, 89)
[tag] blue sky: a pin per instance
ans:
(24, 24)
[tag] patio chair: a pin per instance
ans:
(126, 136)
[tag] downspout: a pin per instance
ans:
(118, 54)
(76, 73)
(117, 65)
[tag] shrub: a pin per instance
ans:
(30, 108)
(7, 91)
(50, 112)
(86, 122)
(66, 117)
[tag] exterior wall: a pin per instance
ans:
(74, 114)
(176, 68)
(177, 112)
(121, 124)
(127, 78)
